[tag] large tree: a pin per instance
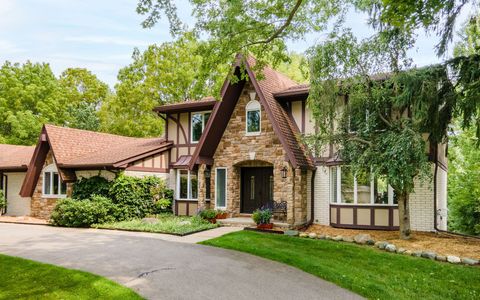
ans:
(29, 96)
(84, 94)
(162, 74)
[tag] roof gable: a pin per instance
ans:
(283, 126)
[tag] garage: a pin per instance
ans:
(16, 205)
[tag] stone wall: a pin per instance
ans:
(237, 150)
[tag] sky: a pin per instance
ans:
(100, 35)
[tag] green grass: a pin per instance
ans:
(167, 224)
(26, 279)
(364, 270)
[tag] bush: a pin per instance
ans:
(262, 216)
(85, 188)
(83, 213)
(3, 201)
(207, 214)
(139, 195)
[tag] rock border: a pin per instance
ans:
(366, 239)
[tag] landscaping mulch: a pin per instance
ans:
(441, 243)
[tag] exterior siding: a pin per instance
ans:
(16, 205)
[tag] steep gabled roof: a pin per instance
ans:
(14, 157)
(83, 149)
(205, 103)
(283, 126)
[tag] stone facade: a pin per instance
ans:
(42, 207)
(237, 150)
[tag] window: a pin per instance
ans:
(221, 188)
(187, 184)
(208, 173)
(361, 188)
(52, 184)
(253, 118)
(199, 121)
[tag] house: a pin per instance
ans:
(64, 155)
(244, 151)
(14, 162)
(237, 154)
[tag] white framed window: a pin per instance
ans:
(253, 118)
(221, 187)
(53, 187)
(197, 123)
(187, 185)
(349, 188)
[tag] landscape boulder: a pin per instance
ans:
(390, 248)
(429, 254)
(312, 235)
(291, 232)
(150, 220)
(363, 239)
(469, 261)
(348, 239)
(453, 259)
(381, 245)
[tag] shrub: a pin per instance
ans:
(137, 194)
(262, 216)
(3, 201)
(83, 213)
(85, 188)
(207, 214)
(163, 206)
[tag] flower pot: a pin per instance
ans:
(265, 226)
(213, 220)
(222, 216)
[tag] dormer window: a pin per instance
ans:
(253, 124)
(199, 121)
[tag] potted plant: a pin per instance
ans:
(209, 215)
(262, 218)
(3, 202)
(221, 214)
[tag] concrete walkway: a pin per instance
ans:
(161, 269)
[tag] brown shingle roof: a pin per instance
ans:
(205, 103)
(75, 147)
(13, 157)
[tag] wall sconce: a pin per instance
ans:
(252, 96)
(284, 172)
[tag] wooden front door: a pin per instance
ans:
(257, 188)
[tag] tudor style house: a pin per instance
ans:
(237, 154)
(244, 152)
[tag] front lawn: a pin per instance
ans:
(167, 223)
(363, 270)
(26, 279)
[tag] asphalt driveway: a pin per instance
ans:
(160, 269)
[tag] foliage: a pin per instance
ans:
(162, 74)
(84, 93)
(29, 96)
(167, 223)
(363, 270)
(136, 195)
(85, 188)
(207, 214)
(295, 68)
(463, 183)
(262, 216)
(26, 279)
(469, 38)
(83, 213)
(163, 205)
(3, 201)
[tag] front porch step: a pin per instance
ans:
(246, 222)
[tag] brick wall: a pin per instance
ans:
(321, 195)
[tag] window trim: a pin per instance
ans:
(52, 169)
(226, 187)
(338, 200)
(204, 124)
(254, 106)
(189, 185)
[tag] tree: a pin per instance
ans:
(296, 68)
(84, 94)
(29, 97)
(162, 74)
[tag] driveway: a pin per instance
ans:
(160, 269)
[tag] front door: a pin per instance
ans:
(257, 188)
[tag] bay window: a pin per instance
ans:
(187, 185)
(52, 184)
(349, 188)
(198, 123)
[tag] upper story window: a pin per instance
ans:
(253, 124)
(199, 121)
(349, 188)
(52, 184)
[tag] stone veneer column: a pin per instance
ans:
(201, 187)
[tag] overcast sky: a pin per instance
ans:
(100, 34)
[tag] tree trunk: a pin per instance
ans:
(404, 215)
